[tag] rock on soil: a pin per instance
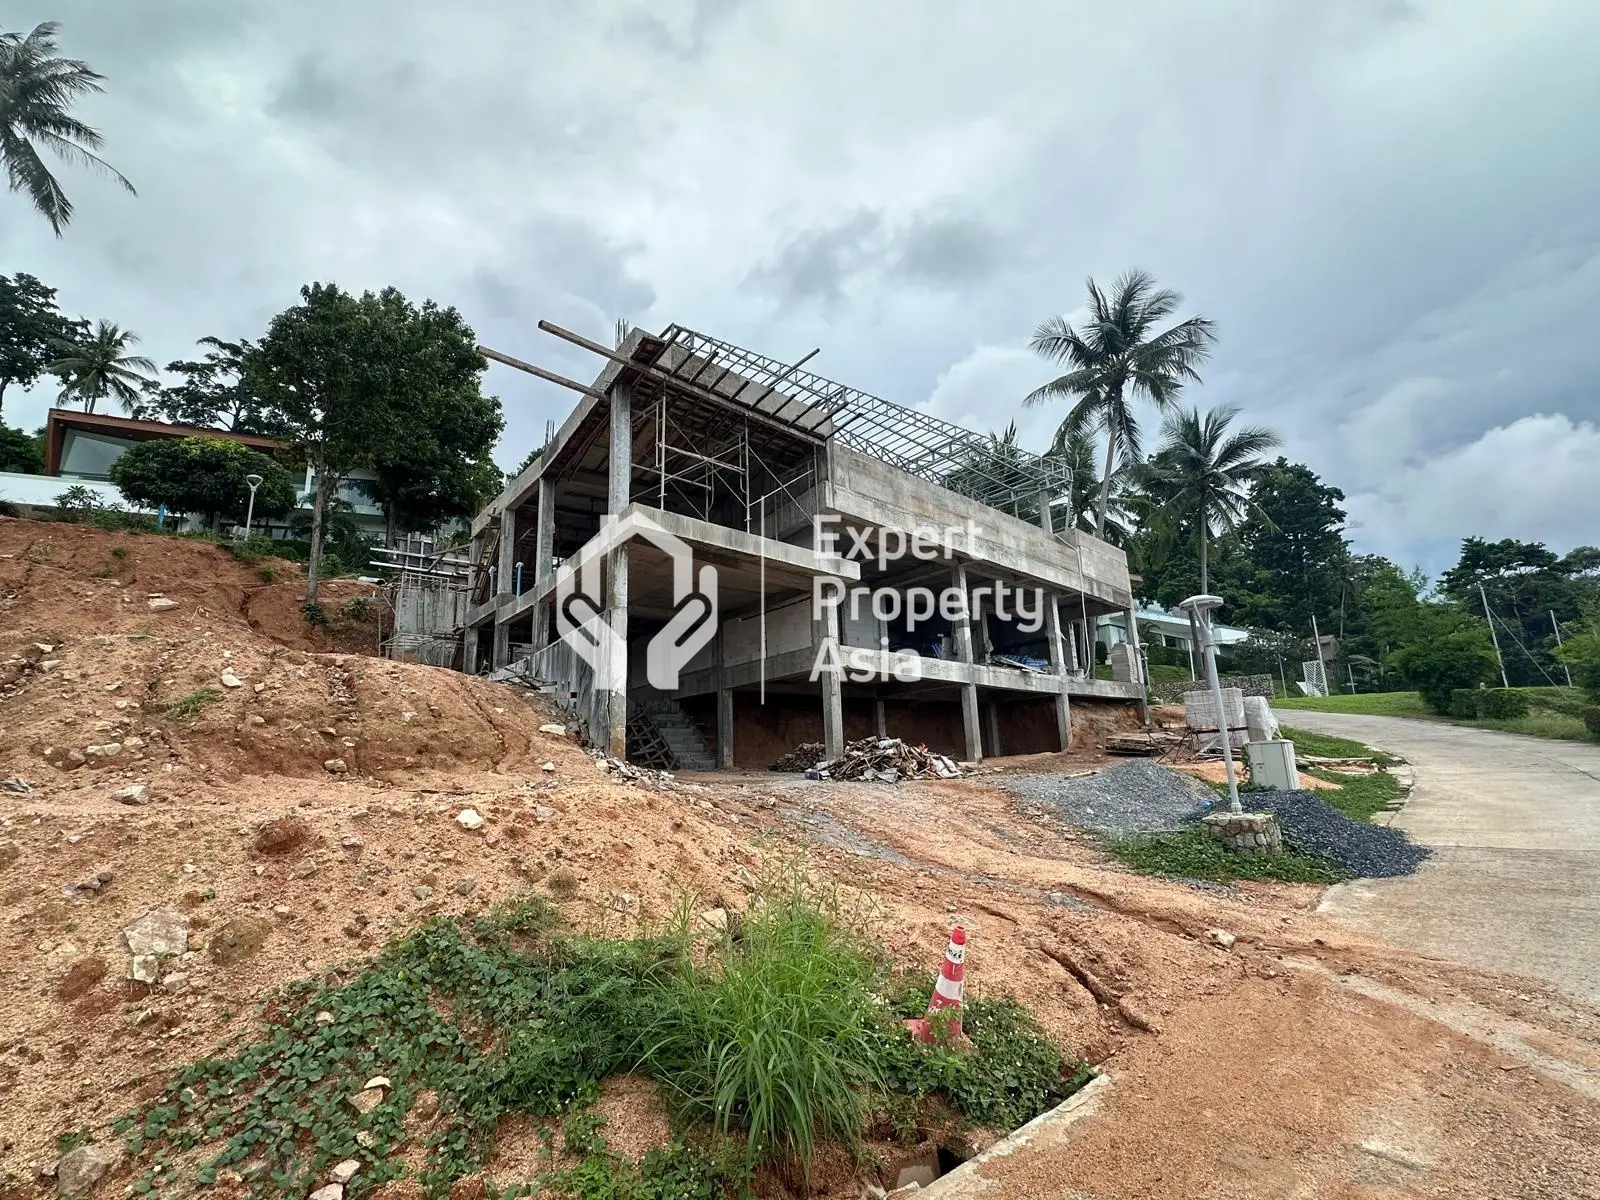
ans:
(1311, 826)
(281, 836)
(238, 940)
(1129, 797)
(79, 1170)
(155, 936)
(137, 793)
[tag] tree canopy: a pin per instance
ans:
(37, 90)
(1117, 357)
(31, 331)
(99, 366)
(213, 391)
(369, 380)
(200, 476)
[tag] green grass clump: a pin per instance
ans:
(1322, 745)
(777, 1037)
(1193, 855)
(192, 704)
(1372, 704)
(1358, 796)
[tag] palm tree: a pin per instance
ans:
(37, 88)
(101, 366)
(1116, 357)
(1203, 473)
(1078, 451)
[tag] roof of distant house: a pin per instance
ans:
(60, 420)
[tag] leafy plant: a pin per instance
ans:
(359, 610)
(77, 502)
(776, 1036)
(268, 572)
(206, 476)
(1500, 704)
(314, 614)
(193, 704)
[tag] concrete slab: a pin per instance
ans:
(1514, 823)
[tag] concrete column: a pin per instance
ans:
(617, 565)
(991, 717)
(1138, 666)
(725, 727)
(1058, 666)
(543, 554)
(961, 630)
(1045, 522)
(505, 582)
(469, 650)
(825, 636)
(880, 719)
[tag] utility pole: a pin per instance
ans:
(1557, 628)
(1488, 615)
(1199, 609)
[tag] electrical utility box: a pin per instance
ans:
(1272, 764)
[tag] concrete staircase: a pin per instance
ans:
(681, 736)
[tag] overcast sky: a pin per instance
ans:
(1391, 208)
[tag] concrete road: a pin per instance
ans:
(1514, 823)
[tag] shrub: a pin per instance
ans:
(1581, 654)
(779, 1038)
(268, 572)
(252, 549)
(202, 475)
(1453, 654)
(358, 610)
(1495, 704)
(1102, 654)
(314, 614)
(8, 509)
(1591, 720)
(77, 503)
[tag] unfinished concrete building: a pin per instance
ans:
(745, 459)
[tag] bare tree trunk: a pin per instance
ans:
(3, 382)
(1105, 484)
(319, 507)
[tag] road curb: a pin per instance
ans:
(1043, 1132)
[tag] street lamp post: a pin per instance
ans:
(254, 481)
(1199, 607)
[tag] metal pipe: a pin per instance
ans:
(1493, 637)
(1557, 628)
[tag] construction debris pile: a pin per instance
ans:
(802, 758)
(887, 760)
(626, 772)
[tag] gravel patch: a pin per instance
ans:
(1128, 797)
(1311, 826)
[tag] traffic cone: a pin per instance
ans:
(947, 990)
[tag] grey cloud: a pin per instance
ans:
(943, 250)
(820, 264)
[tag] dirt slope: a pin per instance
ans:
(1303, 1061)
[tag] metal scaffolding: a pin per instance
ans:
(986, 468)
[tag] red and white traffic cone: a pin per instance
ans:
(947, 990)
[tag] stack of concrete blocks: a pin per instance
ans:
(1124, 664)
(1251, 834)
(1200, 713)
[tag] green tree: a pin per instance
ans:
(99, 366)
(30, 329)
(1295, 546)
(445, 470)
(20, 451)
(204, 477)
(355, 377)
(37, 91)
(1077, 448)
(1525, 583)
(1116, 357)
(1203, 473)
(1445, 650)
(213, 391)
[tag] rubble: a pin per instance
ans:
(802, 758)
(629, 773)
(887, 760)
